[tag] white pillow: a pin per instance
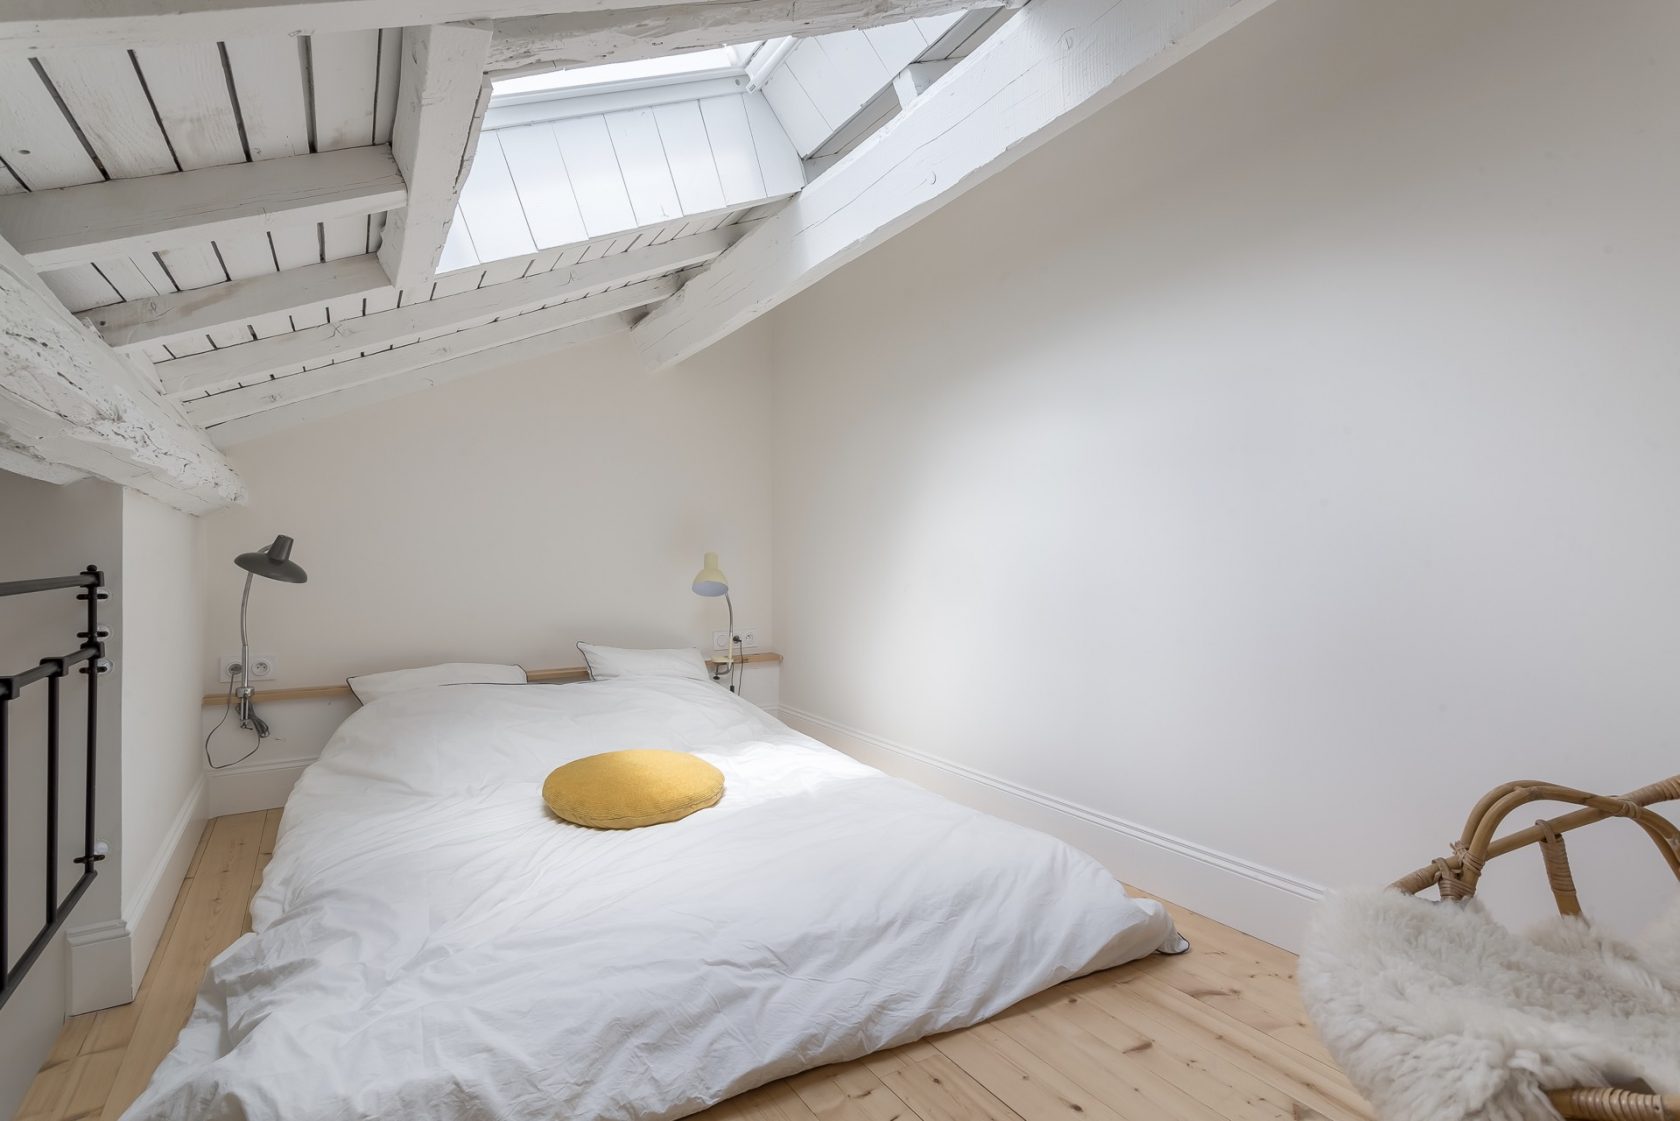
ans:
(609, 662)
(370, 687)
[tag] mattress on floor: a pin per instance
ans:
(431, 943)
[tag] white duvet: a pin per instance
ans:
(431, 943)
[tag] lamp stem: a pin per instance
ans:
(244, 656)
(730, 657)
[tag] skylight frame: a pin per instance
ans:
(712, 64)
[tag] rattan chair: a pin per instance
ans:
(1456, 877)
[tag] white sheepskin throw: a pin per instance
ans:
(1438, 1013)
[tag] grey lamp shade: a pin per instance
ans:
(274, 562)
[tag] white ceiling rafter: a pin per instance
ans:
(236, 403)
(68, 400)
(584, 38)
(276, 356)
(1055, 64)
(128, 217)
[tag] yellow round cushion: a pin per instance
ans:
(629, 789)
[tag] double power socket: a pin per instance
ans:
(262, 667)
(720, 639)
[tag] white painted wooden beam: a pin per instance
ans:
(312, 409)
(29, 27)
(128, 217)
(237, 403)
(441, 98)
(1053, 65)
(21, 461)
(914, 79)
(330, 342)
(574, 38)
(164, 319)
(66, 398)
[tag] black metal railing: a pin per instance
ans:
(90, 656)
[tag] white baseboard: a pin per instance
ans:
(108, 959)
(1261, 901)
(147, 913)
(253, 786)
(100, 966)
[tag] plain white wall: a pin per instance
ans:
(163, 765)
(502, 518)
(1280, 459)
(55, 531)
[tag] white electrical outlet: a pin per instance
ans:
(262, 667)
(748, 638)
(720, 640)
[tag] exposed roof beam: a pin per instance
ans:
(1053, 65)
(281, 354)
(67, 398)
(236, 403)
(177, 315)
(573, 38)
(29, 27)
(307, 411)
(21, 461)
(441, 98)
(125, 217)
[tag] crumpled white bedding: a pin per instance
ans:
(430, 943)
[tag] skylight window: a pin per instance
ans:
(638, 73)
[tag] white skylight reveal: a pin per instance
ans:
(718, 62)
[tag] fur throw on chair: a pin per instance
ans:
(1438, 1013)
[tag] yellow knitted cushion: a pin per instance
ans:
(627, 789)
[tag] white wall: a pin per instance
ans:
(163, 766)
(1249, 480)
(54, 531)
(501, 518)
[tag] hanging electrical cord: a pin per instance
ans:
(256, 725)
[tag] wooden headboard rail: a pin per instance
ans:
(535, 677)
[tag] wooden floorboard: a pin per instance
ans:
(1217, 1034)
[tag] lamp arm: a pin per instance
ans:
(244, 653)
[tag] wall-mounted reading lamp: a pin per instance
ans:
(710, 581)
(272, 563)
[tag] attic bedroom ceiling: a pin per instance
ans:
(267, 213)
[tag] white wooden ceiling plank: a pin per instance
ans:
(989, 24)
(1053, 65)
(544, 185)
(502, 272)
(784, 173)
(8, 182)
(148, 266)
(797, 112)
(492, 205)
(268, 80)
(127, 278)
(811, 69)
(385, 88)
(688, 149)
(274, 323)
(730, 138)
(459, 252)
(933, 27)
(304, 318)
(246, 255)
(344, 77)
(602, 198)
(457, 283)
(646, 170)
(102, 91)
(36, 140)
(80, 287)
(188, 87)
(296, 246)
(897, 45)
(188, 345)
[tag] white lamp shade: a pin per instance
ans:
(710, 580)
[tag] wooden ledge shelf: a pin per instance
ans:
(534, 677)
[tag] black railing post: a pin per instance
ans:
(52, 791)
(5, 828)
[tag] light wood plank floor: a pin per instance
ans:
(1215, 1033)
